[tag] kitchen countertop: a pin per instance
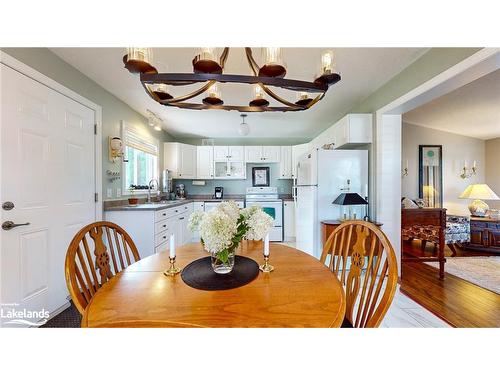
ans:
(162, 205)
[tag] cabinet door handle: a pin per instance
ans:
(164, 225)
(164, 237)
(181, 218)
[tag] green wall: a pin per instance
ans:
(113, 109)
(239, 186)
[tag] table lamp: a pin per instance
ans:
(349, 199)
(477, 192)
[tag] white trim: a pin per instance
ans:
(443, 77)
(50, 83)
(467, 70)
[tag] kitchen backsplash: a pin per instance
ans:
(238, 186)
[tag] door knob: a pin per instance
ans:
(8, 225)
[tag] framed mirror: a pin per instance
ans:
(430, 181)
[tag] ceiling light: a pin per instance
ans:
(273, 63)
(213, 96)
(208, 69)
(303, 99)
(259, 100)
(244, 129)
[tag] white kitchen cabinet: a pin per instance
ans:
(262, 154)
(180, 158)
(289, 221)
(150, 229)
(197, 207)
(297, 152)
(229, 170)
(229, 153)
(286, 162)
(236, 153)
(353, 130)
(205, 162)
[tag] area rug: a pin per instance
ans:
(481, 271)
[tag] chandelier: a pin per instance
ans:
(208, 69)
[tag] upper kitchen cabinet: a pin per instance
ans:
(262, 154)
(205, 162)
(286, 162)
(180, 158)
(353, 130)
(229, 153)
(297, 152)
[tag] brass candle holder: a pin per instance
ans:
(266, 267)
(173, 270)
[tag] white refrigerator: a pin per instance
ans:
(321, 177)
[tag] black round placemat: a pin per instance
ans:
(200, 275)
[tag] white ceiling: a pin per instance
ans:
(472, 110)
(363, 71)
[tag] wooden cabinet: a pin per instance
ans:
(180, 158)
(353, 130)
(286, 162)
(297, 152)
(288, 221)
(205, 162)
(484, 234)
(262, 154)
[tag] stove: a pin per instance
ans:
(262, 194)
(267, 198)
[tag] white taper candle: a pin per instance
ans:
(172, 246)
(266, 245)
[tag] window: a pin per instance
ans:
(141, 151)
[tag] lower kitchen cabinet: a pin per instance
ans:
(289, 221)
(150, 230)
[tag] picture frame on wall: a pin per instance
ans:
(430, 180)
(260, 176)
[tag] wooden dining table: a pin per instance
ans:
(300, 292)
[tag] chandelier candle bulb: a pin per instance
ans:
(327, 62)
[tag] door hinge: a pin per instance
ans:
(95, 131)
(96, 197)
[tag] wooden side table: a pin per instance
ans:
(484, 234)
(328, 226)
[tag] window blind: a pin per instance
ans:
(132, 138)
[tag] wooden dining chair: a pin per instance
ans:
(363, 259)
(88, 265)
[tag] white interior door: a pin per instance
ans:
(48, 173)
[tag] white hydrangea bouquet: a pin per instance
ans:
(224, 227)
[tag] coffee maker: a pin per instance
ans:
(180, 191)
(219, 192)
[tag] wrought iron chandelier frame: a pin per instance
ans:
(149, 76)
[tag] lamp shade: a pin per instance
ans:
(349, 199)
(479, 191)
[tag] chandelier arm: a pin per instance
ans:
(255, 68)
(315, 100)
(223, 57)
(178, 99)
(251, 61)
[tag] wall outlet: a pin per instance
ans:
(118, 192)
(109, 193)
(198, 183)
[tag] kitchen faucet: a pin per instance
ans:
(149, 188)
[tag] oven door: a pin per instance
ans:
(273, 209)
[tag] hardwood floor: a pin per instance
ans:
(412, 248)
(456, 301)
